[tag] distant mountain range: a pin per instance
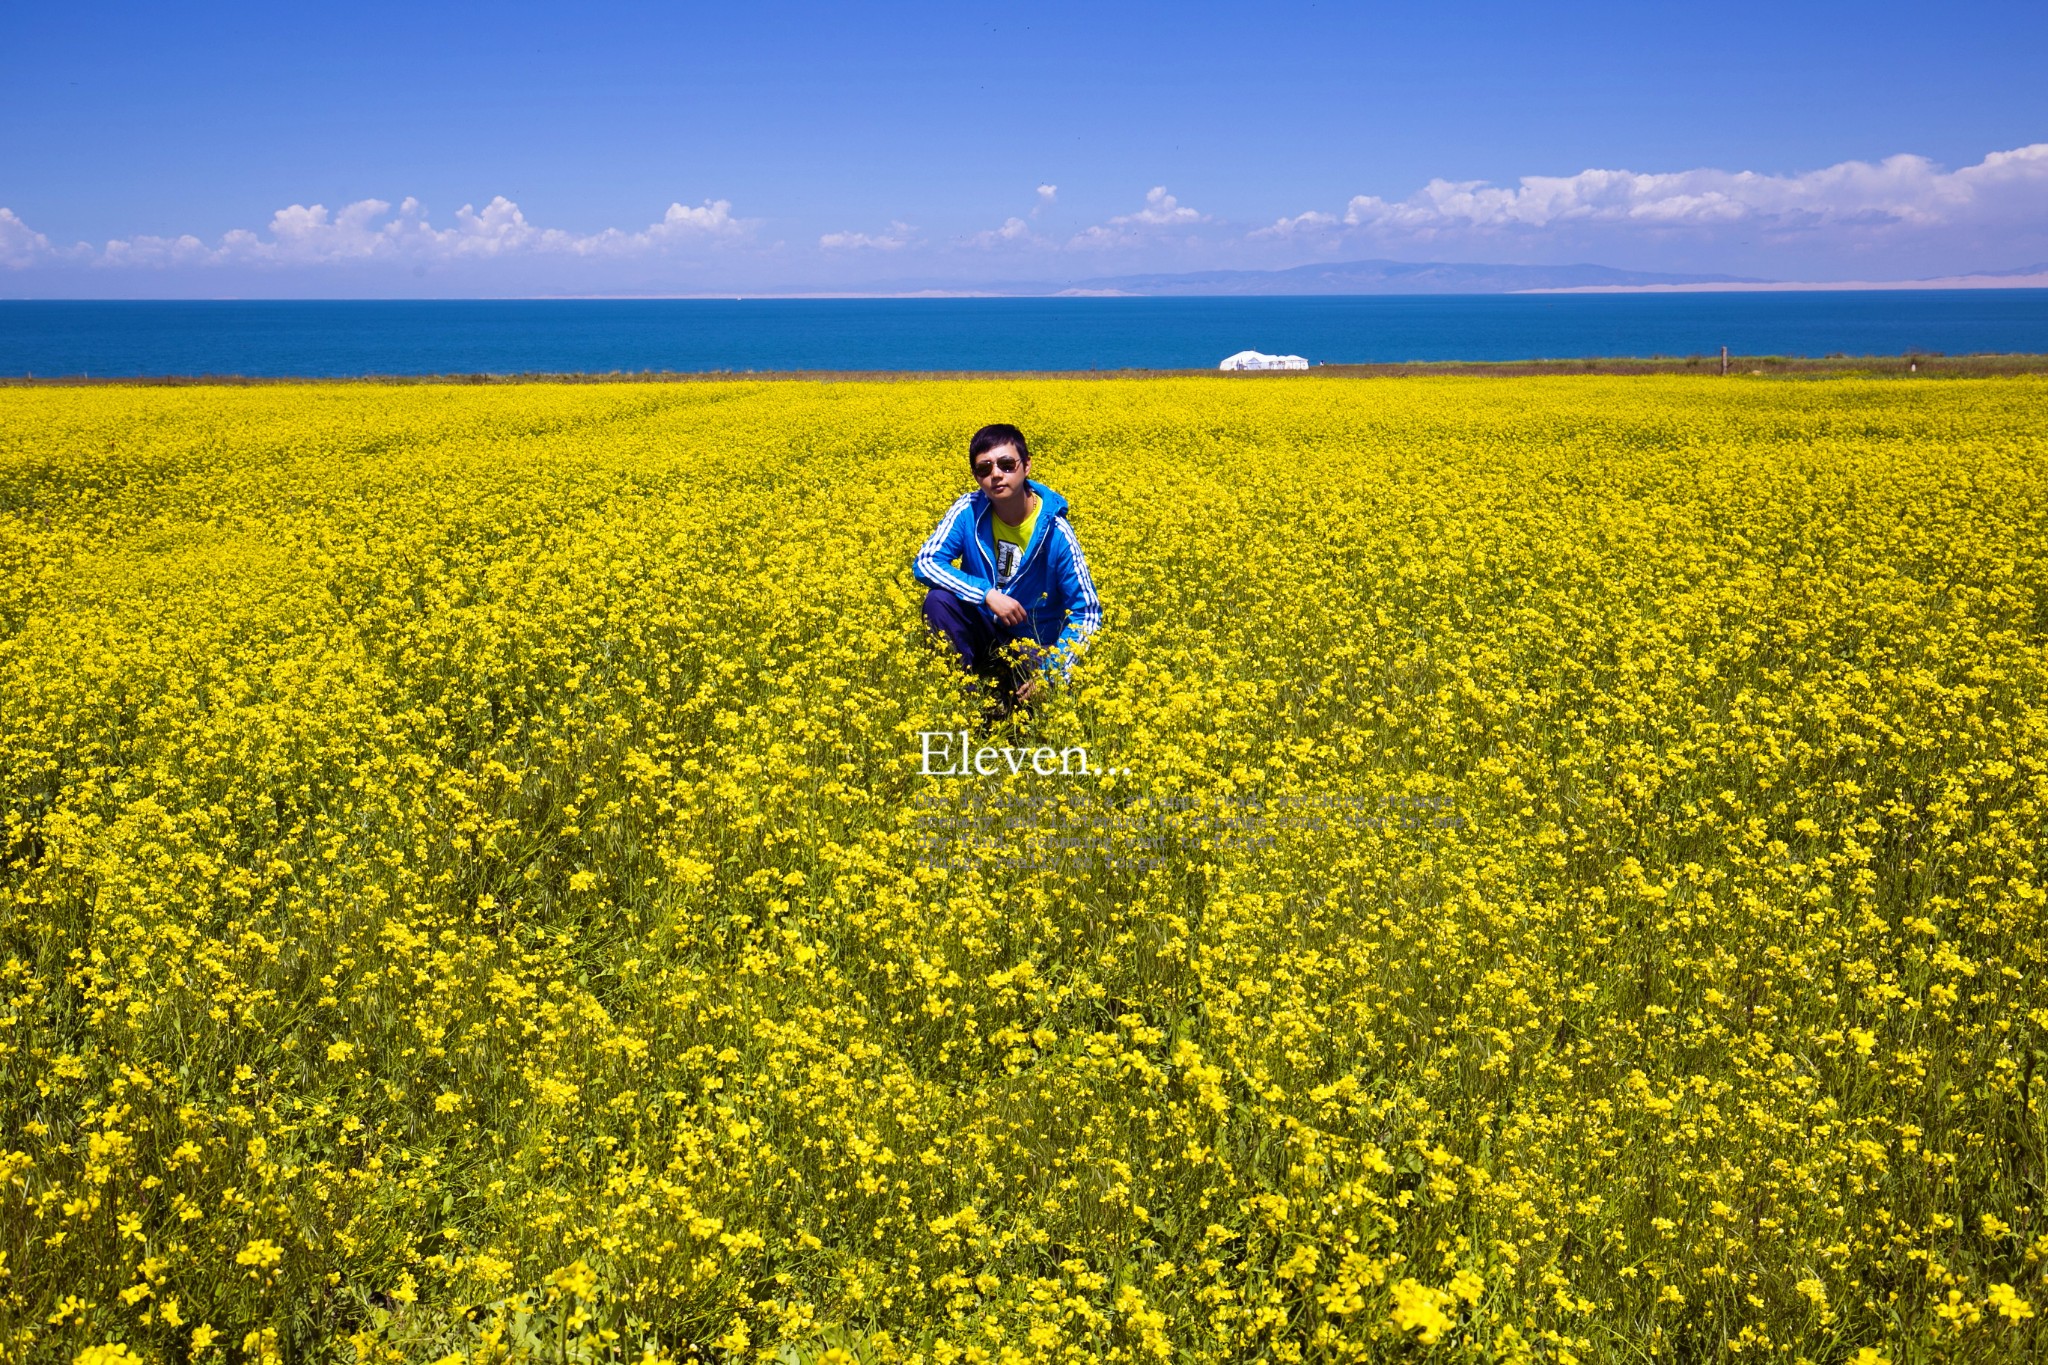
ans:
(1389, 277)
(1383, 277)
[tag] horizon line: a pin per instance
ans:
(1971, 281)
(1958, 283)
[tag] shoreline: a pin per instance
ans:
(1988, 365)
(1937, 284)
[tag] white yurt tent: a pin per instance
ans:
(1259, 360)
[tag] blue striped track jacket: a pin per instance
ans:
(1052, 584)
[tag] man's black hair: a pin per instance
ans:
(993, 437)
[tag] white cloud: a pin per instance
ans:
(713, 216)
(895, 239)
(1900, 191)
(1300, 225)
(711, 221)
(182, 250)
(19, 244)
(1161, 210)
(1046, 195)
(1013, 232)
(369, 230)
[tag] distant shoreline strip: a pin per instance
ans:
(1988, 364)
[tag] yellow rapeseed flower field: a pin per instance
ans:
(1565, 882)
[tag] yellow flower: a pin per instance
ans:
(2006, 1301)
(113, 1353)
(261, 1254)
(575, 1279)
(1420, 1309)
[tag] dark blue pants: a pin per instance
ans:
(979, 639)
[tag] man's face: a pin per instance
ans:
(1000, 472)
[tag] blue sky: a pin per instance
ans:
(519, 149)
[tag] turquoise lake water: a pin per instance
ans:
(335, 338)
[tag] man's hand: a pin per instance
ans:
(1029, 688)
(1008, 609)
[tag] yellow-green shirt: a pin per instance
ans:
(1012, 541)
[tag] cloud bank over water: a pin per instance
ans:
(1900, 217)
(370, 230)
(1903, 191)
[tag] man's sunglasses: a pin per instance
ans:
(1006, 463)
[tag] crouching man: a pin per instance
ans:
(1009, 587)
